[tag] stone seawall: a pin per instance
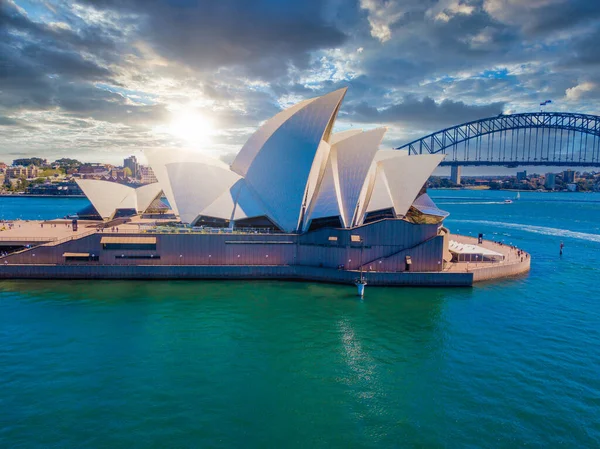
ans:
(501, 271)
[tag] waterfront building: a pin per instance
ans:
(550, 182)
(522, 175)
(568, 176)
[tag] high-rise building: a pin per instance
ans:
(455, 174)
(550, 181)
(568, 176)
(132, 164)
(522, 175)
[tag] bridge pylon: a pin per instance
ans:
(455, 174)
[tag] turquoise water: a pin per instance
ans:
(274, 364)
(39, 208)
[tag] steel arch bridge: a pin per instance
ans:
(533, 138)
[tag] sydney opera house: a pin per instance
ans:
(299, 201)
(294, 175)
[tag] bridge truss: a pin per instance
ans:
(535, 138)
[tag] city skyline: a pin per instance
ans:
(102, 80)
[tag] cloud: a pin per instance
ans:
(262, 36)
(542, 16)
(96, 78)
(382, 14)
(585, 89)
(425, 112)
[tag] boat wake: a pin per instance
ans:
(555, 232)
(471, 202)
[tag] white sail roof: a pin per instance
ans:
(279, 172)
(354, 156)
(107, 197)
(338, 137)
(380, 197)
(425, 204)
(195, 185)
(235, 203)
(158, 159)
(327, 201)
(146, 194)
(254, 144)
(405, 177)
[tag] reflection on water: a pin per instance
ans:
(289, 364)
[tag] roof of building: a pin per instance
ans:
(467, 248)
(292, 170)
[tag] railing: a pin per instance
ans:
(27, 239)
(176, 230)
(69, 238)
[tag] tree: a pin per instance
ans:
(38, 161)
(127, 172)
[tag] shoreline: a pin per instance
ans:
(508, 190)
(24, 195)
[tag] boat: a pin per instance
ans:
(508, 201)
(518, 197)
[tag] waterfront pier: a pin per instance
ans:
(144, 249)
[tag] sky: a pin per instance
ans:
(99, 80)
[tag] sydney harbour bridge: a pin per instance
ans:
(512, 140)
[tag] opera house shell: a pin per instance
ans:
(293, 175)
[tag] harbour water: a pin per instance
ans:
(275, 364)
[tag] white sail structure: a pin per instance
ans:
(293, 174)
(108, 197)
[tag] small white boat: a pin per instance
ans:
(508, 201)
(518, 197)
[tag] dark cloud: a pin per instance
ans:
(262, 36)
(7, 121)
(544, 18)
(424, 112)
(586, 50)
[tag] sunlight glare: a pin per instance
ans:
(192, 127)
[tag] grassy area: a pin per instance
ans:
(49, 172)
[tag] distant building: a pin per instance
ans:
(90, 169)
(550, 181)
(146, 175)
(568, 176)
(31, 171)
(117, 173)
(572, 187)
(522, 175)
(132, 164)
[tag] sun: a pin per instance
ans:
(192, 127)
